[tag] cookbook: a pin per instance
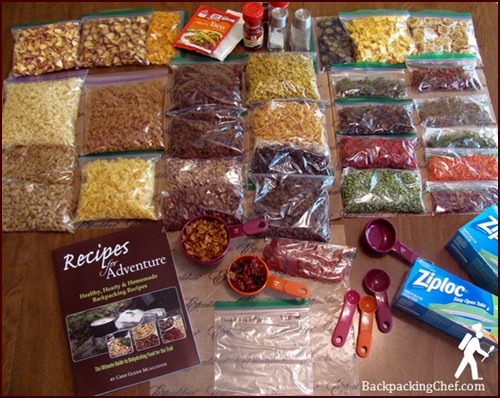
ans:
(123, 309)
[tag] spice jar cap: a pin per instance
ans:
(280, 4)
(252, 12)
(279, 17)
(302, 19)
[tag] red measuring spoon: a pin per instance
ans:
(380, 236)
(351, 300)
(367, 306)
(377, 281)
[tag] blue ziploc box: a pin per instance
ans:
(475, 247)
(448, 303)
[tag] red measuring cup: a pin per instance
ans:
(351, 300)
(249, 275)
(205, 239)
(380, 235)
(367, 305)
(377, 281)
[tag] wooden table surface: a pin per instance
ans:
(35, 357)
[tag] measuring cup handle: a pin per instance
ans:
(341, 330)
(253, 227)
(364, 341)
(292, 288)
(405, 252)
(384, 314)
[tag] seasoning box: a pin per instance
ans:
(475, 247)
(448, 303)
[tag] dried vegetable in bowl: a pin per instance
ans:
(125, 112)
(462, 164)
(45, 47)
(280, 75)
(313, 260)
(378, 152)
(43, 164)
(455, 111)
(334, 42)
(462, 197)
(115, 38)
(461, 137)
(41, 110)
(121, 187)
(206, 83)
(288, 158)
(162, 31)
(205, 132)
(289, 121)
(379, 35)
(382, 191)
(443, 31)
(368, 79)
(295, 206)
(365, 116)
(443, 72)
(28, 206)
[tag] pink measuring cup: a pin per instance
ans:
(377, 281)
(380, 235)
(351, 300)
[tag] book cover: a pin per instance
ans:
(123, 310)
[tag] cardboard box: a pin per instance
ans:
(475, 247)
(448, 303)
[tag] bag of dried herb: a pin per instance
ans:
(444, 72)
(364, 116)
(382, 191)
(462, 164)
(368, 79)
(456, 110)
(461, 137)
(462, 197)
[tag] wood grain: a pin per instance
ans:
(35, 359)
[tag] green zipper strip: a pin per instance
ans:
(259, 304)
(120, 12)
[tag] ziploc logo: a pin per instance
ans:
(488, 226)
(430, 282)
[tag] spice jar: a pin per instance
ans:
(276, 40)
(253, 30)
(300, 37)
(273, 5)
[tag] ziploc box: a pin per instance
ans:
(448, 303)
(475, 247)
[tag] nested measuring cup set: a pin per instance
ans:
(380, 236)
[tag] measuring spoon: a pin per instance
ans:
(351, 300)
(380, 236)
(377, 281)
(367, 305)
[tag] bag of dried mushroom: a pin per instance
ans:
(125, 111)
(114, 38)
(45, 47)
(196, 187)
(41, 110)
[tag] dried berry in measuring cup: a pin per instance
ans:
(248, 274)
